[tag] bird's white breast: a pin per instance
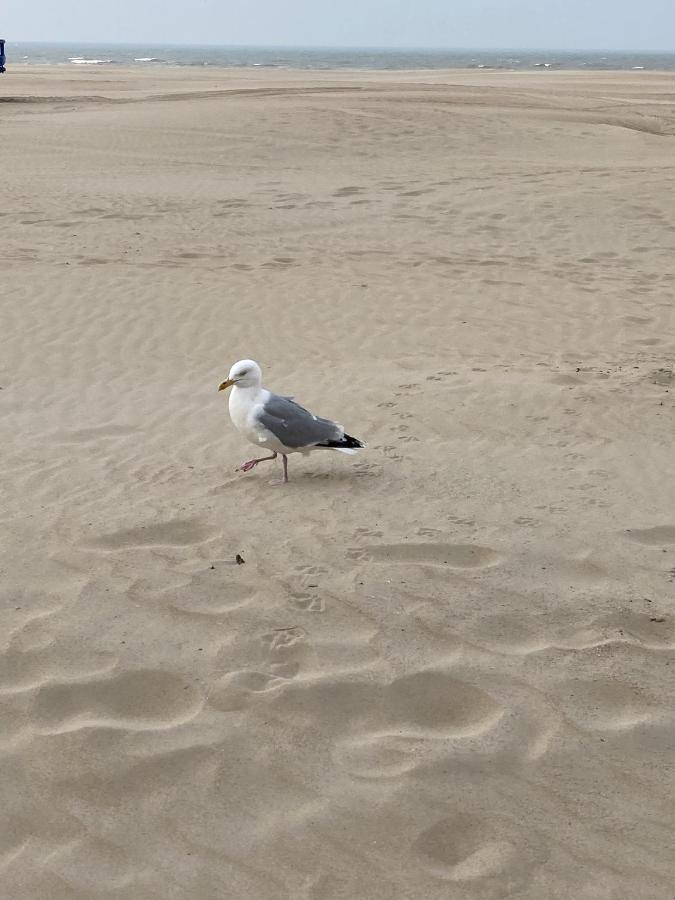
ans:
(242, 403)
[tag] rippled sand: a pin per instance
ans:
(445, 670)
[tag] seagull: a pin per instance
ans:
(278, 423)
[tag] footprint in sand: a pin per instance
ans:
(208, 595)
(527, 520)
(376, 756)
(235, 690)
(139, 700)
(177, 533)
(283, 639)
(307, 602)
(35, 657)
(433, 702)
(306, 596)
(390, 451)
(664, 377)
(606, 705)
(413, 714)
(310, 571)
(280, 262)
(233, 203)
(637, 320)
(347, 191)
(654, 537)
(87, 863)
(379, 730)
(493, 852)
(368, 532)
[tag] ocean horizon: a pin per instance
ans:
(224, 56)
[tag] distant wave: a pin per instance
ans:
(147, 59)
(82, 61)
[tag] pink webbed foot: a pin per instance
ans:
(252, 463)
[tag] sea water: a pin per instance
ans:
(328, 58)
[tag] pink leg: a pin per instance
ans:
(283, 480)
(252, 463)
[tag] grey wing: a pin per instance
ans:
(296, 426)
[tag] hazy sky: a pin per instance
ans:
(549, 24)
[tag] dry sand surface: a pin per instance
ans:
(445, 670)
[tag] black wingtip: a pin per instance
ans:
(352, 443)
(347, 442)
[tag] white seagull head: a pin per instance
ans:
(245, 373)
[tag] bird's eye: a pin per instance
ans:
(245, 372)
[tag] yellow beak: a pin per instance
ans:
(226, 384)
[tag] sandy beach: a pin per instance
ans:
(445, 669)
